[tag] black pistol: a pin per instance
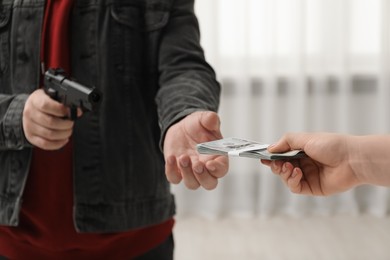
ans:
(70, 93)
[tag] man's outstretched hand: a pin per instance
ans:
(183, 162)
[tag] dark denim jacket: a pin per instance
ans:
(144, 55)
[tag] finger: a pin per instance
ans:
(218, 167)
(295, 181)
(51, 122)
(266, 162)
(50, 134)
(290, 141)
(79, 112)
(50, 106)
(47, 144)
(204, 178)
(186, 171)
(276, 166)
(211, 122)
(286, 172)
(33, 128)
(171, 170)
(45, 119)
(312, 171)
(197, 166)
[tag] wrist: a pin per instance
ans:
(356, 158)
(369, 159)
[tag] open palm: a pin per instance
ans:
(183, 162)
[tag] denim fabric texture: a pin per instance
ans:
(145, 57)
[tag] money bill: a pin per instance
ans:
(233, 146)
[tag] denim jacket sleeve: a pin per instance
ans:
(187, 82)
(19, 54)
(11, 129)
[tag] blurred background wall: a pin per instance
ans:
(293, 65)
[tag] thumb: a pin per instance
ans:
(290, 141)
(210, 121)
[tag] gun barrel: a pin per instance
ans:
(82, 94)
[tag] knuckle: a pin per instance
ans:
(43, 104)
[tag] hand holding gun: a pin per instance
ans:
(70, 93)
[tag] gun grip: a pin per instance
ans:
(73, 113)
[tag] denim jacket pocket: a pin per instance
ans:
(135, 35)
(150, 16)
(5, 14)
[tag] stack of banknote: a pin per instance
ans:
(233, 146)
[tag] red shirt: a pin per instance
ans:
(46, 229)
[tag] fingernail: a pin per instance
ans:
(184, 163)
(211, 168)
(198, 169)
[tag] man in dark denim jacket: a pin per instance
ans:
(158, 95)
